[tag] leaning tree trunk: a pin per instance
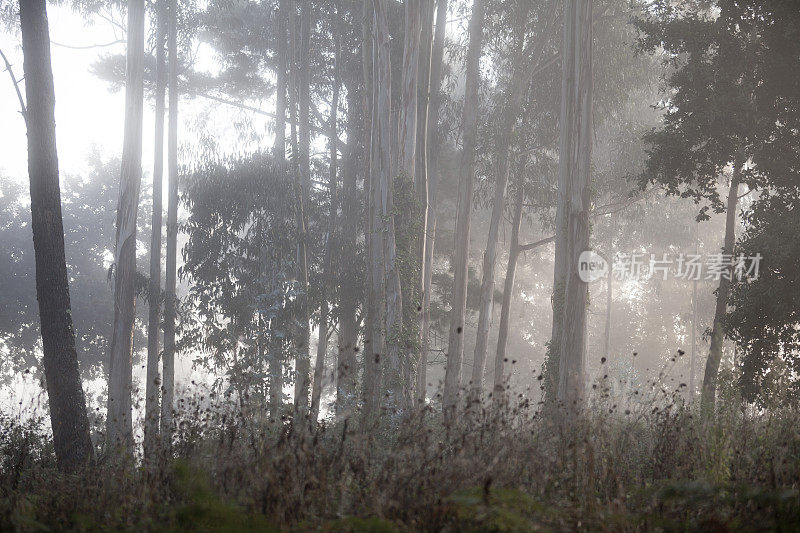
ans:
(455, 348)
(575, 152)
(500, 377)
(432, 148)
(410, 235)
(327, 274)
(170, 295)
(513, 102)
(120, 383)
(723, 292)
(71, 441)
(153, 386)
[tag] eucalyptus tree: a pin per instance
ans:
(120, 383)
(455, 346)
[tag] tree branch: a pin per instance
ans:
(23, 109)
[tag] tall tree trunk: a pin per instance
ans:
(381, 172)
(513, 101)
(170, 295)
(500, 377)
(374, 333)
(120, 424)
(575, 153)
(346, 367)
(153, 386)
(279, 147)
(410, 236)
(432, 148)
(327, 275)
(455, 348)
(71, 441)
(693, 357)
(302, 383)
(723, 292)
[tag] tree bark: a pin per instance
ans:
(170, 295)
(723, 292)
(455, 348)
(327, 275)
(71, 440)
(432, 147)
(153, 386)
(120, 424)
(574, 162)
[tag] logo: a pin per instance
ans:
(591, 267)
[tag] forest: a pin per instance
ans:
(399, 265)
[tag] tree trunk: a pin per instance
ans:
(374, 333)
(302, 383)
(455, 348)
(170, 295)
(327, 275)
(432, 147)
(279, 147)
(410, 235)
(723, 292)
(513, 101)
(120, 424)
(347, 368)
(71, 440)
(508, 290)
(381, 172)
(575, 153)
(153, 386)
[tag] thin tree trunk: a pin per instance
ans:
(153, 387)
(432, 147)
(513, 101)
(170, 295)
(71, 440)
(693, 358)
(723, 292)
(574, 161)
(455, 348)
(279, 148)
(498, 394)
(303, 359)
(347, 368)
(327, 275)
(120, 424)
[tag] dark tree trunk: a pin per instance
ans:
(723, 292)
(153, 386)
(68, 419)
(120, 423)
(170, 295)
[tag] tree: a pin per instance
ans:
(120, 423)
(153, 386)
(469, 126)
(170, 295)
(575, 154)
(68, 418)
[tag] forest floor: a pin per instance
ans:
(641, 467)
